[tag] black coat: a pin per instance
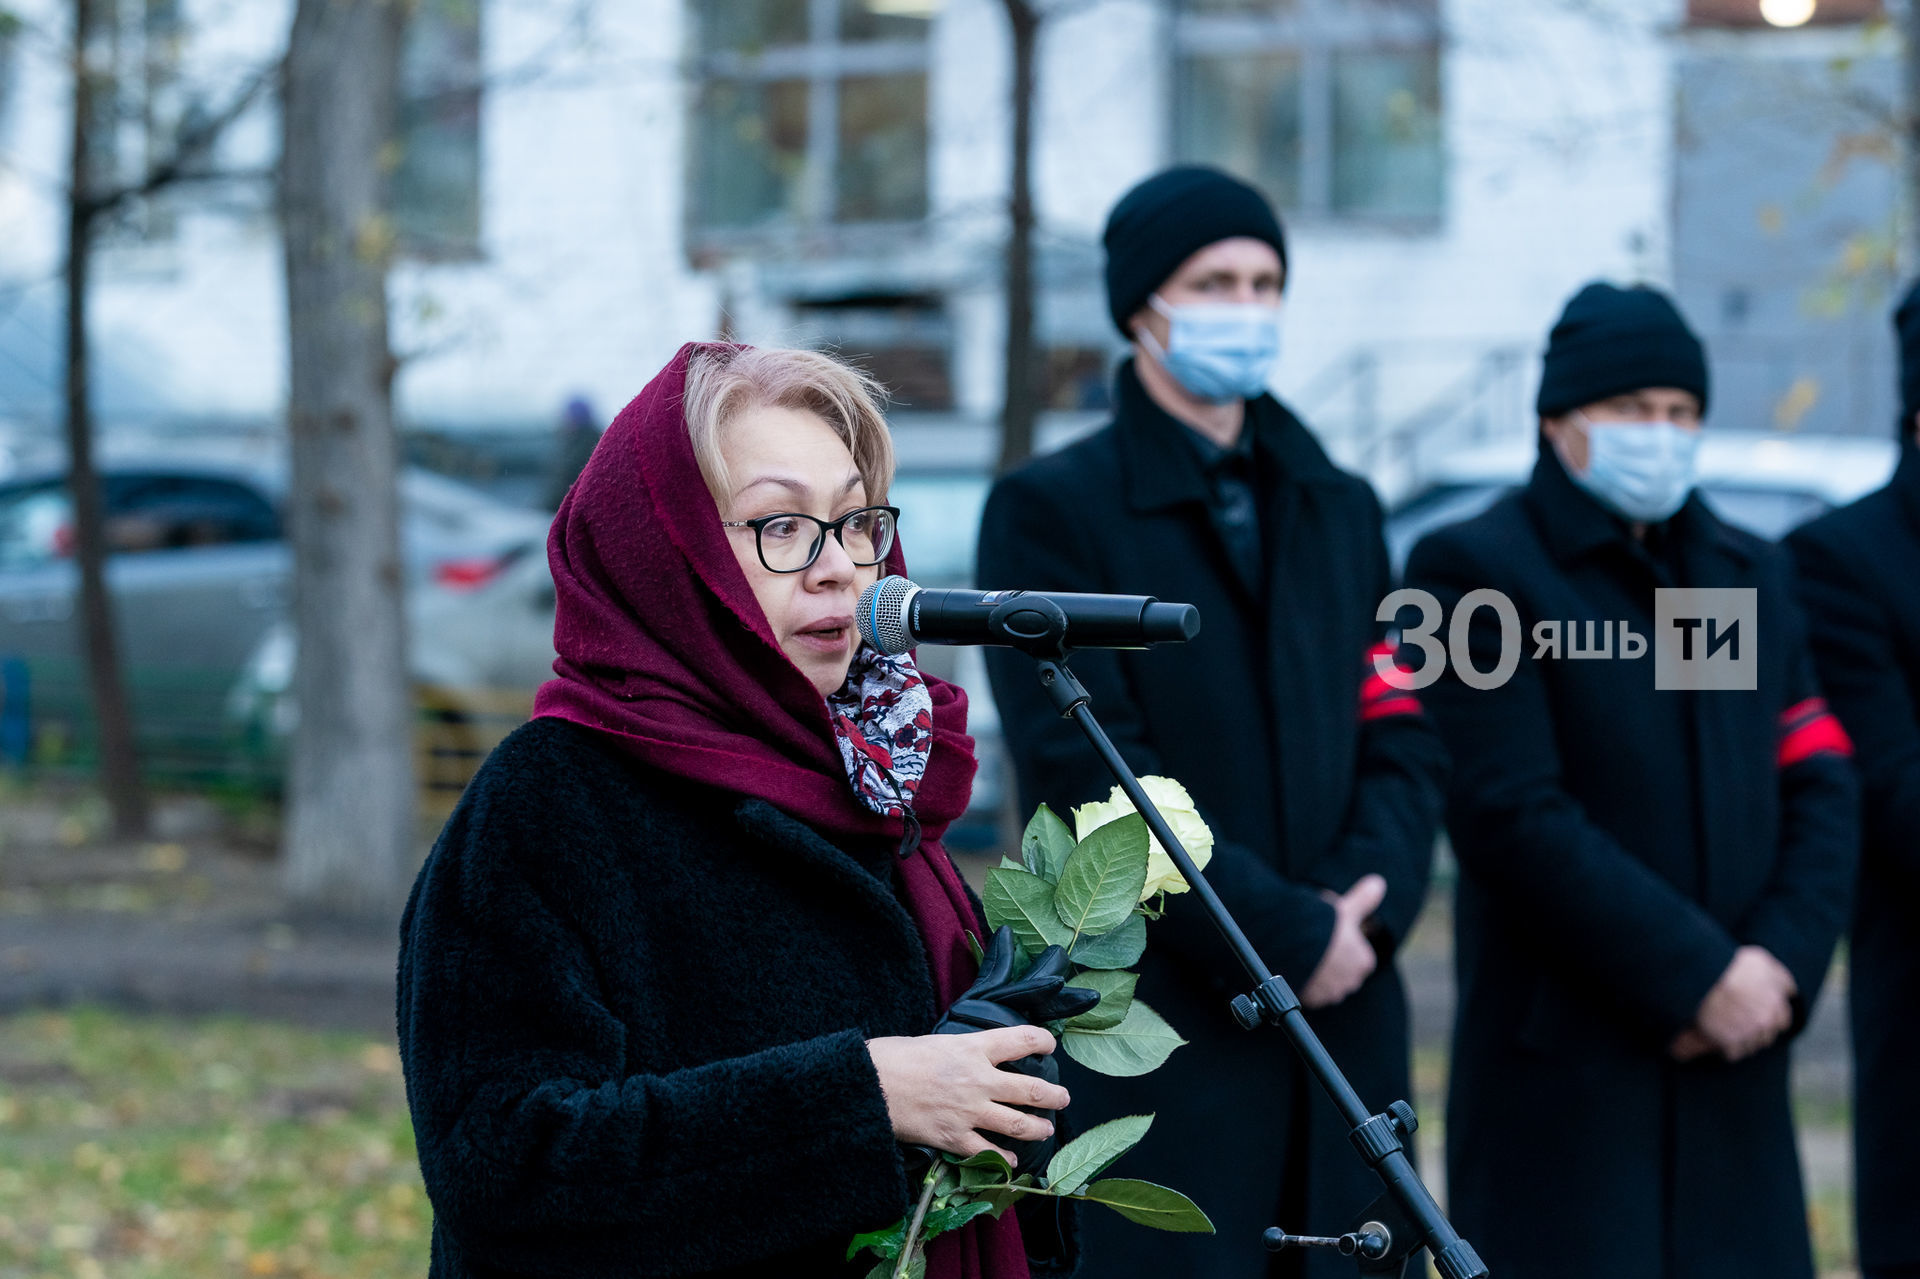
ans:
(1860, 582)
(633, 1015)
(1616, 843)
(1261, 719)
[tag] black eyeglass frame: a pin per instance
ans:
(835, 527)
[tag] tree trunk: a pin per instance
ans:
(1020, 406)
(350, 820)
(119, 764)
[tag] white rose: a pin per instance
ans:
(1171, 798)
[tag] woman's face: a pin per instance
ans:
(790, 462)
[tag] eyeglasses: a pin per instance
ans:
(790, 543)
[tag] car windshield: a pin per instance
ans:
(1772, 513)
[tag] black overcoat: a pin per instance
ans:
(633, 1015)
(1860, 582)
(1261, 718)
(1616, 844)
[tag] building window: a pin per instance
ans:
(904, 340)
(436, 188)
(1075, 379)
(809, 112)
(1332, 107)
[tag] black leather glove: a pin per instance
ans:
(995, 1000)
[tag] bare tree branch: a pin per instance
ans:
(194, 141)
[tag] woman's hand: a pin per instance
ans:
(940, 1088)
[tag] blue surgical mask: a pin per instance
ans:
(1218, 351)
(1639, 470)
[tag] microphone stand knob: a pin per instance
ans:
(1246, 1011)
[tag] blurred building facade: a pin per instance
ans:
(584, 184)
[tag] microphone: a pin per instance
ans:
(895, 614)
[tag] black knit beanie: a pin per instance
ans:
(1610, 341)
(1167, 219)
(1906, 326)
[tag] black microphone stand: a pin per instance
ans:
(1405, 1217)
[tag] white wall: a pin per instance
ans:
(583, 284)
(1557, 120)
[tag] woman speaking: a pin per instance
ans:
(668, 977)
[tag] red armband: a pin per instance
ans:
(1808, 729)
(1378, 698)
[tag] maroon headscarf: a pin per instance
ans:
(663, 648)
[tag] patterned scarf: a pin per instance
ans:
(883, 721)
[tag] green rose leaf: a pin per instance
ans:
(972, 1179)
(1024, 902)
(1120, 948)
(1004, 1197)
(986, 1168)
(1150, 1205)
(997, 1198)
(1046, 845)
(1103, 878)
(1093, 1152)
(886, 1243)
(1116, 997)
(983, 1159)
(952, 1217)
(1140, 1043)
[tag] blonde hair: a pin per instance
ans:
(723, 383)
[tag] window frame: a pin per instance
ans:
(1317, 32)
(824, 62)
(464, 88)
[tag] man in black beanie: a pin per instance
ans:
(1654, 867)
(1321, 782)
(1860, 581)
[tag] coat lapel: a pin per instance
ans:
(1572, 524)
(1161, 471)
(1298, 659)
(1724, 723)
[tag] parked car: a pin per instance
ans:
(1766, 483)
(480, 642)
(199, 571)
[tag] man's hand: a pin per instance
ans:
(1690, 1045)
(1350, 957)
(1749, 1006)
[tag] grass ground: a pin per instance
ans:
(160, 1148)
(180, 1146)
